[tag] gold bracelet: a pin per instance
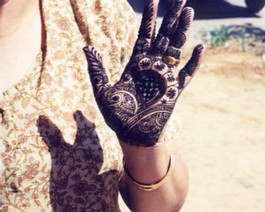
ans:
(149, 187)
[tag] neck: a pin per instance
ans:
(16, 16)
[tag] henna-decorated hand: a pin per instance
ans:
(138, 106)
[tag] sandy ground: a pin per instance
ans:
(223, 134)
(222, 137)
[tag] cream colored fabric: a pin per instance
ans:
(56, 152)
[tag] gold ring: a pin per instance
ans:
(171, 60)
(174, 52)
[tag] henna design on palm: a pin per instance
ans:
(139, 105)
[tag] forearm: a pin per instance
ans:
(149, 165)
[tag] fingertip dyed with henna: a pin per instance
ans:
(189, 12)
(199, 49)
(186, 18)
(149, 15)
(87, 49)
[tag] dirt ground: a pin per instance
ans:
(222, 135)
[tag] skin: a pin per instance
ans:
(19, 30)
(146, 164)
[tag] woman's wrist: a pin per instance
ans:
(146, 165)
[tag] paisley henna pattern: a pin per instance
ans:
(139, 105)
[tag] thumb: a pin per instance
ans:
(97, 73)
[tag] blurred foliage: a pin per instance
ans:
(236, 37)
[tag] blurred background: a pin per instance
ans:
(222, 112)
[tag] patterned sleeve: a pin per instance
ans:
(110, 26)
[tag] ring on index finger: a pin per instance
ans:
(172, 56)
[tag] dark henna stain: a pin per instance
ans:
(94, 58)
(160, 66)
(167, 25)
(141, 46)
(185, 19)
(133, 107)
(97, 74)
(150, 87)
(160, 45)
(194, 61)
(170, 20)
(180, 39)
(190, 67)
(179, 36)
(171, 78)
(173, 52)
(146, 25)
(146, 31)
(177, 6)
(138, 106)
(182, 77)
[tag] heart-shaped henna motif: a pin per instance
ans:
(150, 86)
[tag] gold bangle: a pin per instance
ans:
(149, 187)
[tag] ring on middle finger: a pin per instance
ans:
(172, 56)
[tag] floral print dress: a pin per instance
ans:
(56, 152)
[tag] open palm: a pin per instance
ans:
(138, 106)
